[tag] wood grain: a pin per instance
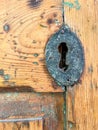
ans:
(82, 99)
(36, 125)
(25, 28)
(41, 111)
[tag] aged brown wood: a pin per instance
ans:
(82, 99)
(25, 28)
(22, 59)
(39, 110)
(37, 125)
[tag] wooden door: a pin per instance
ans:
(30, 98)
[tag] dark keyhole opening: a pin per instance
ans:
(63, 49)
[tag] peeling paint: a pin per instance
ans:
(71, 125)
(6, 28)
(35, 54)
(57, 22)
(16, 94)
(6, 77)
(69, 4)
(8, 94)
(12, 94)
(1, 72)
(35, 63)
(75, 4)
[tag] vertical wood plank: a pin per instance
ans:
(82, 99)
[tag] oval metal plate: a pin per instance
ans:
(74, 57)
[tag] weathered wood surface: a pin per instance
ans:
(82, 100)
(37, 125)
(25, 28)
(39, 111)
(22, 58)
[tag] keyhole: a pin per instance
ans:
(63, 49)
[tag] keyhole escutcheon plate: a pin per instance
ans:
(65, 57)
